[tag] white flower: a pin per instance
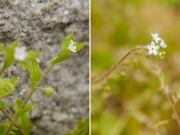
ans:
(72, 47)
(163, 44)
(152, 48)
(20, 53)
(155, 37)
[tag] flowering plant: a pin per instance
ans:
(155, 46)
(19, 122)
(117, 111)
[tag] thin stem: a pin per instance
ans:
(2, 70)
(6, 114)
(172, 106)
(29, 96)
(166, 92)
(9, 128)
(116, 65)
(9, 118)
(34, 89)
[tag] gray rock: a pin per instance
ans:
(36, 113)
(41, 25)
(58, 116)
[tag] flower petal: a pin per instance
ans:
(155, 52)
(156, 34)
(156, 47)
(148, 46)
(150, 52)
(152, 43)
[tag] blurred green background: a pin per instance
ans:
(136, 104)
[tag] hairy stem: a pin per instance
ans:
(172, 106)
(9, 128)
(166, 92)
(9, 118)
(34, 89)
(29, 96)
(116, 65)
(2, 70)
(4, 112)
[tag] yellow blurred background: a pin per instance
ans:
(135, 105)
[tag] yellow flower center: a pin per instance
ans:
(152, 49)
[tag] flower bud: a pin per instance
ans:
(107, 88)
(122, 74)
(135, 61)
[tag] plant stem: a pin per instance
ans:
(116, 65)
(172, 106)
(9, 128)
(34, 89)
(4, 112)
(165, 88)
(29, 96)
(9, 118)
(2, 70)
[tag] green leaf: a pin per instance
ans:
(2, 105)
(82, 129)
(35, 72)
(4, 126)
(66, 41)
(23, 64)
(24, 120)
(49, 91)
(25, 109)
(9, 55)
(61, 57)
(30, 55)
(2, 48)
(33, 54)
(6, 87)
(79, 46)
(14, 81)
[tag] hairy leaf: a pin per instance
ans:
(24, 120)
(35, 72)
(6, 87)
(25, 109)
(2, 105)
(66, 41)
(33, 54)
(9, 55)
(2, 48)
(61, 57)
(14, 81)
(79, 46)
(4, 126)
(82, 129)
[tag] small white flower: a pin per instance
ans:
(153, 49)
(156, 37)
(72, 47)
(163, 44)
(20, 53)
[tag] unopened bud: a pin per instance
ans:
(122, 74)
(107, 88)
(135, 61)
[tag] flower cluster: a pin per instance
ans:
(155, 47)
